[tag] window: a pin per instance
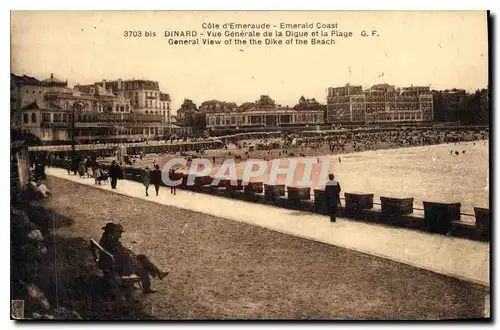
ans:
(27, 91)
(33, 92)
(25, 118)
(45, 117)
(57, 118)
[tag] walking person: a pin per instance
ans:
(75, 161)
(81, 168)
(97, 173)
(88, 167)
(332, 196)
(173, 176)
(40, 170)
(114, 174)
(146, 179)
(69, 165)
(156, 178)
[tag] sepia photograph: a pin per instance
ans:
(250, 165)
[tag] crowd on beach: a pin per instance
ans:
(361, 141)
(272, 145)
(267, 146)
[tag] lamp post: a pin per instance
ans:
(77, 106)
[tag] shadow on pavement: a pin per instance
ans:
(70, 279)
(45, 218)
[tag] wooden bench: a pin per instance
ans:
(98, 253)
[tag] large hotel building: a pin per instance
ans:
(114, 110)
(381, 103)
(263, 113)
(265, 118)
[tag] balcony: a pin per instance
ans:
(54, 125)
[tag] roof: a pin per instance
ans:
(54, 106)
(84, 88)
(53, 79)
(165, 97)
(32, 106)
(381, 85)
(25, 80)
(101, 91)
(31, 81)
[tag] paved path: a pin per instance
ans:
(457, 257)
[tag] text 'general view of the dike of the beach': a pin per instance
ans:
(256, 34)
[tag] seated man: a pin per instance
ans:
(126, 262)
(43, 189)
(38, 190)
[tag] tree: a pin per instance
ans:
(477, 112)
(246, 106)
(265, 101)
(230, 105)
(218, 106)
(438, 104)
(188, 105)
(197, 120)
(309, 104)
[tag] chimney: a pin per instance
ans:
(51, 76)
(104, 83)
(119, 84)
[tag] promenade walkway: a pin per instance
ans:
(456, 257)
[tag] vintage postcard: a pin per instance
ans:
(250, 165)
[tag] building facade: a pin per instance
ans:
(277, 117)
(144, 96)
(379, 104)
(45, 108)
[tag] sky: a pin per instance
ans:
(438, 49)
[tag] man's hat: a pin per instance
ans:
(113, 226)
